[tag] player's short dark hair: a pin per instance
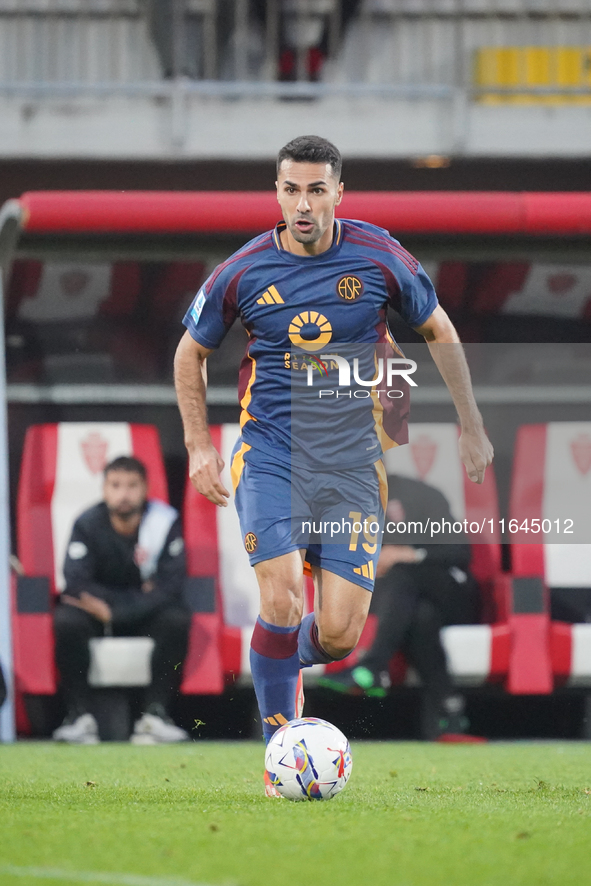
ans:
(127, 463)
(311, 149)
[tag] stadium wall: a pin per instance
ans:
(234, 79)
(189, 126)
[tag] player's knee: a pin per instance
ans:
(282, 594)
(339, 636)
(338, 644)
(282, 608)
(337, 653)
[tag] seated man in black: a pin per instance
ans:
(124, 571)
(420, 588)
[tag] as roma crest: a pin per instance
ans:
(250, 542)
(349, 287)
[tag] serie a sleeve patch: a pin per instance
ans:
(198, 306)
(77, 550)
(175, 547)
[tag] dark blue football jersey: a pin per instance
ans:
(297, 307)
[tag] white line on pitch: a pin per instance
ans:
(114, 878)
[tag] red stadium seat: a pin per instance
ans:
(93, 319)
(538, 288)
(216, 559)
(476, 653)
(61, 475)
(552, 481)
(432, 456)
(35, 287)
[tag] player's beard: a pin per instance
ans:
(126, 511)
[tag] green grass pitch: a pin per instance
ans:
(412, 814)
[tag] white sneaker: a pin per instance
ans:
(152, 729)
(81, 730)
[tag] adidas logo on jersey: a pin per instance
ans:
(366, 570)
(270, 297)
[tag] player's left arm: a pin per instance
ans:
(444, 344)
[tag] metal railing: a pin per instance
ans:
(164, 395)
(414, 49)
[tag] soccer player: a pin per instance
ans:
(312, 281)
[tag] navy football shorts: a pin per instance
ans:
(337, 516)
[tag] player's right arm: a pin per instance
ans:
(205, 463)
(476, 450)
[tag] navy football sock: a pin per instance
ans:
(275, 667)
(309, 648)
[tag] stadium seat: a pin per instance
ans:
(534, 289)
(562, 68)
(552, 480)
(120, 661)
(99, 321)
(218, 567)
(61, 475)
(477, 654)
(215, 553)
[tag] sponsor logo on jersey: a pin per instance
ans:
(198, 306)
(317, 363)
(349, 287)
(309, 331)
(270, 297)
(250, 542)
(306, 362)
